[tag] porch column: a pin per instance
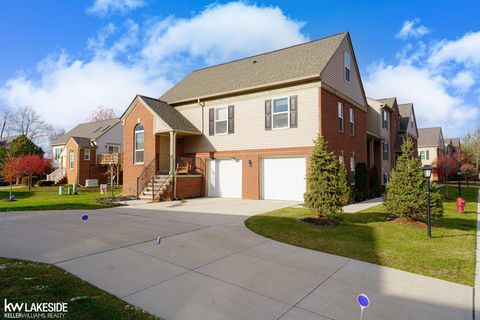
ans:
(173, 140)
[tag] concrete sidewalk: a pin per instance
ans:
(210, 266)
(356, 207)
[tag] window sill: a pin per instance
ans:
(138, 163)
(282, 128)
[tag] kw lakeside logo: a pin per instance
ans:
(42, 310)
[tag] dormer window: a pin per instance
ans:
(347, 63)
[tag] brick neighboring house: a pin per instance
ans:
(453, 147)
(431, 146)
(244, 129)
(84, 152)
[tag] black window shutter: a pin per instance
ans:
(211, 121)
(231, 119)
(293, 111)
(268, 114)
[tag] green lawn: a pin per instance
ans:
(369, 236)
(30, 282)
(47, 198)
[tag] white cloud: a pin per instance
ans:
(464, 50)
(438, 79)
(463, 81)
(412, 29)
(104, 7)
(121, 61)
(223, 32)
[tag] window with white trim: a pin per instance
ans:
(87, 154)
(280, 113)
(424, 155)
(113, 149)
(341, 159)
(347, 63)
(72, 159)
(352, 121)
(340, 117)
(58, 153)
(385, 116)
(221, 120)
(139, 136)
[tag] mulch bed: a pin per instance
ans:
(410, 222)
(319, 222)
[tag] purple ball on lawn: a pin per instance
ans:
(85, 217)
(12, 198)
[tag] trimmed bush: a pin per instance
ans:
(374, 181)
(24, 181)
(323, 195)
(343, 184)
(45, 183)
(406, 192)
(361, 182)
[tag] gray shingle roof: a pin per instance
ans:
(389, 102)
(83, 142)
(172, 117)
(90, 130)
(405, 110)
(288, 64)
(429, 137)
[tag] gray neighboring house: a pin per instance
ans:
(5, 141)
(77, 153)
(407, 126)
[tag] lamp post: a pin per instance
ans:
(459, 173)
(427, 173)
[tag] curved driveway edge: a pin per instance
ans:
(210, 266)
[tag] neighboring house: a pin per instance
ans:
(6, 141)
(407, 127)
(245, 129)
(83, 152)
(382, 131)
(453, 147)
(431, 145)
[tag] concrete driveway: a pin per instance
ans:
(209, 266)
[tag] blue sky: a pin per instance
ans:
(65, 58)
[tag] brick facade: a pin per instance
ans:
(138, 114)
(251, 173)
(340, 143)
(82, 169)
(343, 143)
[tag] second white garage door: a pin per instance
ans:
(284, 178)
(225, 178)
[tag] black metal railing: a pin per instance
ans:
(164, 168)
(146, 176)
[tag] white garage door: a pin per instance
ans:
(225, 178)
(284, 178)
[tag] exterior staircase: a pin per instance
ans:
(160, 185)
(57, 175)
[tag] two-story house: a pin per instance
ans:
(245, 128)
(453, 147)
(82, 153)
(407, 127)
(384, 117)
(431, 145)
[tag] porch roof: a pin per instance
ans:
(170, 116)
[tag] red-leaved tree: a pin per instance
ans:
(445, 167)
(10, 171)
(32, 165)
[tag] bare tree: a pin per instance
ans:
(4, 117)
(102, 113)
(28, 122)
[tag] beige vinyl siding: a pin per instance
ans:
(164, 152)
(432, 154)
(333, 74)
(250, 130)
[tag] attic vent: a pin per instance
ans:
(254, 61)
(97, 129)
(106, 128)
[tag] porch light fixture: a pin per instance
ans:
(427, 174)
